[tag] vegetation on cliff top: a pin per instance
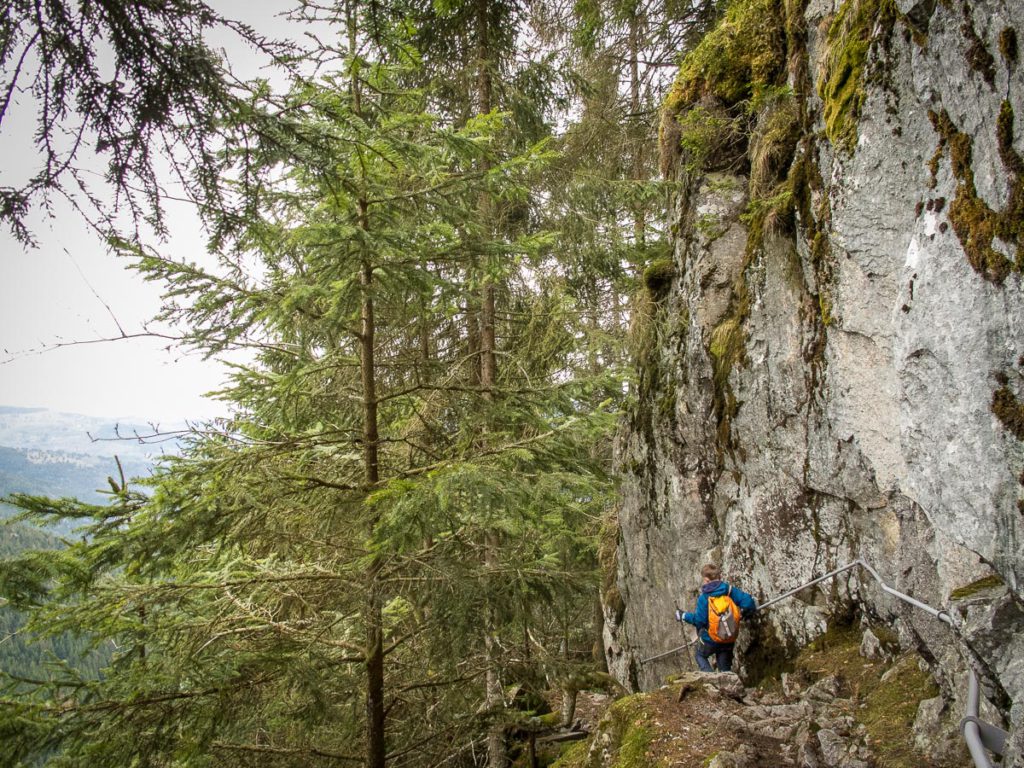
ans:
(850, 36)
(729, 109)
(745, 50)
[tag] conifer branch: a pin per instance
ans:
(289, 751)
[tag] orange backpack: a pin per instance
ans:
(723, 618)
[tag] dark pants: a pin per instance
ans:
(722, 653)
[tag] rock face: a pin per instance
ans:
(832, 366)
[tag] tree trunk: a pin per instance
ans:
(375, 743)
(495, 699)
(569, 694)
(488, 365)
(639, 218)
(496, 752)
(373, 620)
(598, 649)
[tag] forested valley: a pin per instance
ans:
(431, 243)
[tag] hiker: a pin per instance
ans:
(717, 618)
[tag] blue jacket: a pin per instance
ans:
(717, 588)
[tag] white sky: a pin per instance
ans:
(56, 293)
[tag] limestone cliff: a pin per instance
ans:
(831, 366)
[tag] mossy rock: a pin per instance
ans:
(774, 141)
(1008, 46)
(710, 139)
(887, 696)
(748, 47)
(575, 756)
(612, 600)
(658, 277)
(626, 736)
(849, 40)
(629, 733)
(889, 711)
(977, 225)
(1009, 410)
(977, 55)
(727, 348)
(608, 560)
(745, 53)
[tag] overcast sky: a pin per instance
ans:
(61, 291)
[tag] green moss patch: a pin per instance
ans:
(969, 590)
(628, 731)
(608, 560)
(661, 730)
(805, 178)
(1009, 410)
(574, 757)
(1008, 46)
(849, 40)
(658, 277)
(627, 725)
(886, 707)
(745, 53)
(889, 711)
(747, 47)
(836, 652)
(774, 141)
(709, 139)
(975, 223)
(978, 57)
(728, 349)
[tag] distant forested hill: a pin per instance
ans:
(43, 453)
(57, 473)
(47, 430)
(16, 538)
(65, 454)
(23, 655)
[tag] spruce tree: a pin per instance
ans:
(308, 582)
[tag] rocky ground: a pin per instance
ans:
(836, 707)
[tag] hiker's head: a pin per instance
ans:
(710, 572)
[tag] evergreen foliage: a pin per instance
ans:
(388, 552)
(382, 532)
(133, 81)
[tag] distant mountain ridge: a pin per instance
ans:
(48, 453)
(45, 453)
(75, 433)
(60, 474)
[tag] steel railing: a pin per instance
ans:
(981, 737)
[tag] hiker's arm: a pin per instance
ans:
(699, 618)
(744, 602)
